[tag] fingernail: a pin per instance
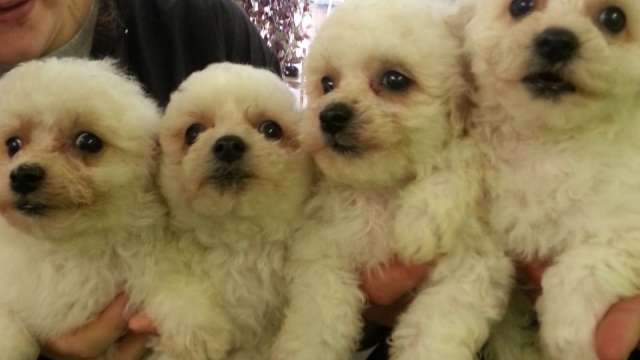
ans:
(129, 311)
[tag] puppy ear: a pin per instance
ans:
(456, 15)
(156, 153)
(460, 114)
(462, 103)
(157, 148)
(459, 15)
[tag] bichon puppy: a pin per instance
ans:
(558, 89)
(77, 195)
(385, 126)
(235, 180)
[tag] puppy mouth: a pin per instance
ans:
(342, 144)
(548, 84)
(229, 177)
(30, 207)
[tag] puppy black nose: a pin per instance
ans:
(556, 44)
(26, 178)
(229, 148)
(335, 118)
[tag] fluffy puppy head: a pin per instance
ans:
(383, 79)
(230, 148)
(557, 64)
(78, 148)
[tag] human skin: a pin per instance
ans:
(112, 327)
(30, 29)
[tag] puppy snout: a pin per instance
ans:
(335, 118)
(556, 45)
(229, 148)
(26, 178)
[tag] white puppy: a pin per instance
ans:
(76, 195)
(235, 180)
(559, 88)
(399, 177)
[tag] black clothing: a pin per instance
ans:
(163, 41)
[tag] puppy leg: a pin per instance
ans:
(577, 291)
(323, 321)
(451, 317)
(433, 210)
(15, 341)
(421, 215)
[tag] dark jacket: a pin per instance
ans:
(163, 41)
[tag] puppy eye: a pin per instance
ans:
(613, 19)
(14, 144)
(328, 85)
(395, 81)
(521, 8)
(271, 130)
(88, 142)
(192, 133)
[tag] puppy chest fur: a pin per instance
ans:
(553, 196)
(247, 281)
(42, 300)
(356, 226)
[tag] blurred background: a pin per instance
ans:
(288, 26)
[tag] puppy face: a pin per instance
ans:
(557, 63)
(230, 147)
(381, 78)
(77, 146)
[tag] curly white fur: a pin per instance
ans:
(410, 186)
(62, 266)
(565, 171)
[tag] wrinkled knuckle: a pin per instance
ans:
(382, 299)
(81, 352)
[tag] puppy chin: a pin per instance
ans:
(203, 203)
(564, 112)
(222, 190)
(370, 168)
(41, 223)
(17, 219)
(229, 178)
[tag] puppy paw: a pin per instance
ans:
(567, 341)
(567, 325)
(416, 236)
(567, 330)
(434, 349)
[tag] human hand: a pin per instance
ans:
(111, 327)
(618, 333)
(389, 290)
